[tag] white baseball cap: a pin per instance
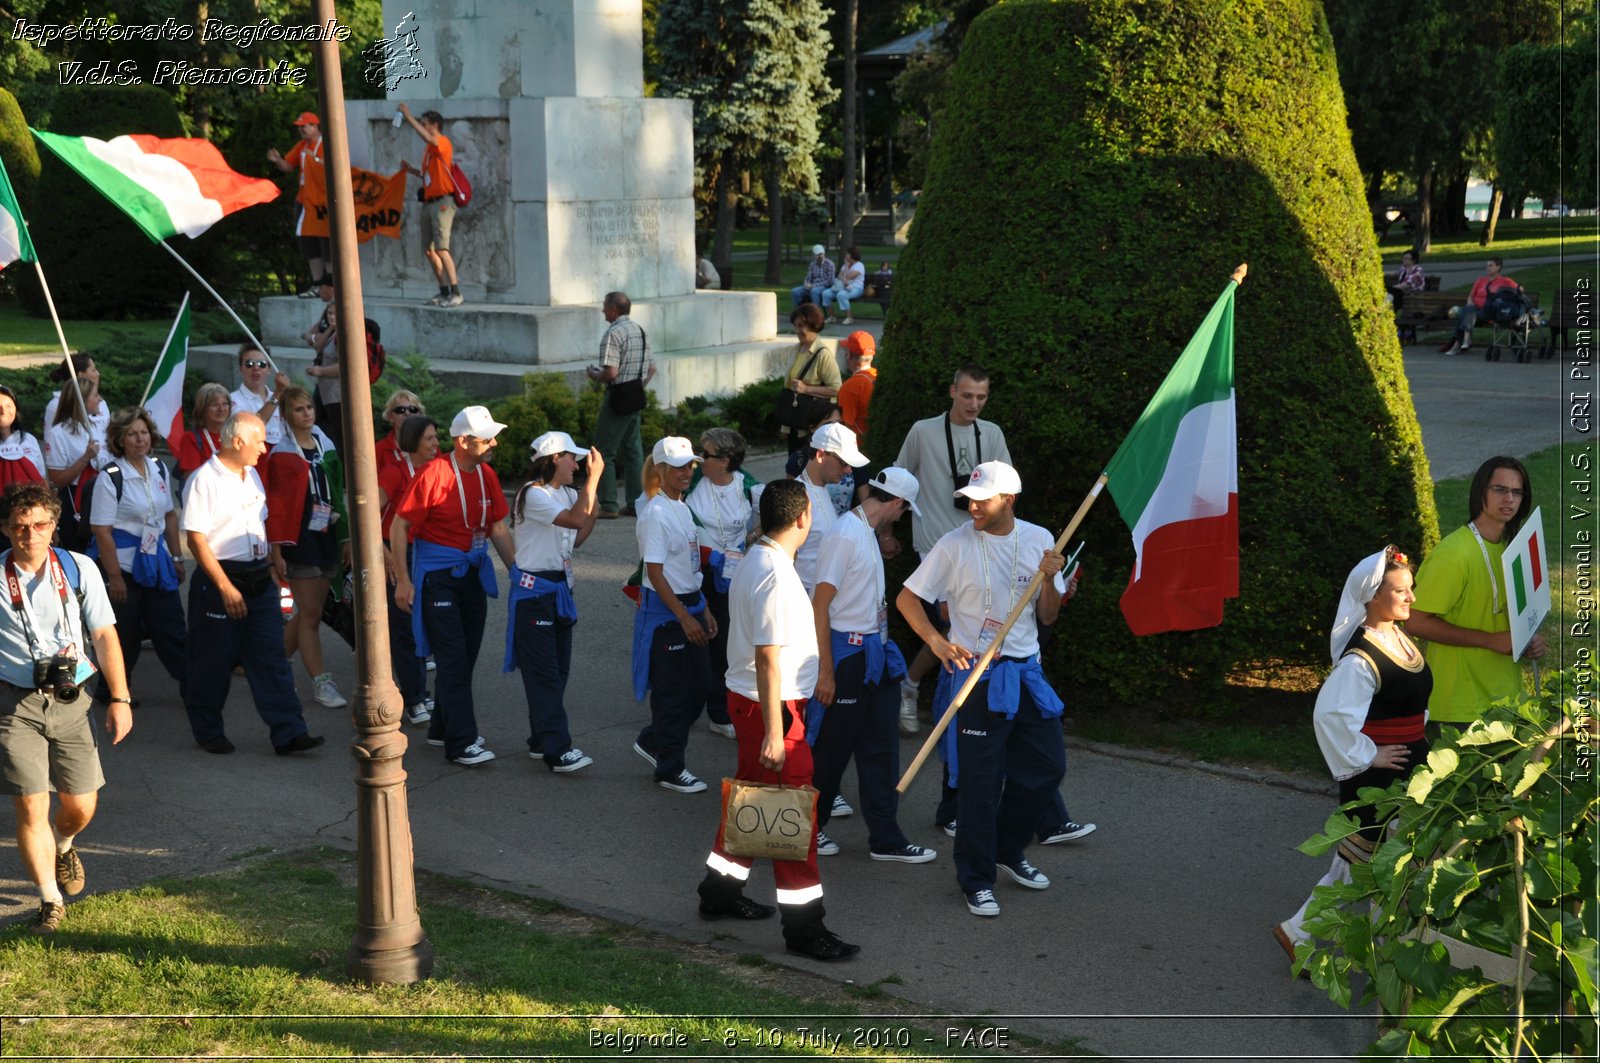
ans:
(475, 421)
(990, 479)
(818, 249)
(556, 443)
(898, 482)
(839, 441)
(672, 450)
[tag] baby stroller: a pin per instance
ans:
(1515, 320)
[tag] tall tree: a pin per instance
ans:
(755, 70)
(847, 214)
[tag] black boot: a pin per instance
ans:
(722, 897)
(805, 934)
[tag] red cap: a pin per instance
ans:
(307, 118)
(860, 342)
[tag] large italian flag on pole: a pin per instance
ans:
(14, 242)
(167, 187)
(164, 393)
(1175, 480)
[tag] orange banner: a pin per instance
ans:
(380, 202)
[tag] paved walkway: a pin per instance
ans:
(1153, 940)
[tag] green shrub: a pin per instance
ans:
(18, 152)
(1112, 161)
(750, 410)
(410, 372)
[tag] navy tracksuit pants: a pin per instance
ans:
(454, 610)
(861, 723)
(217, 642)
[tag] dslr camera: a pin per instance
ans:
(58, 674)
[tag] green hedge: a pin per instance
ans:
(1106, 164)
(17, 152)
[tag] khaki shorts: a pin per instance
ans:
(45, 745)
(437, 219)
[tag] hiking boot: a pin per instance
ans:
(69, 872)
(685, 782)
(740, 907)
(982, 902)
(572, 760)
(1025, 874)
(841, 807)
(1067, 832)
(49, 917)
(474, 754)
(821, 944)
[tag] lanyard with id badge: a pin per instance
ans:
(991, 626)
(150, 534)
(479, 530)
(322, 515)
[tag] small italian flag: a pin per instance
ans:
(167, 187)
(14, 242)
(165, 402)
(1175, 479)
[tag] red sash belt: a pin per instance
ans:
(1396, 730)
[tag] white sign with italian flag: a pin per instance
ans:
(1526, 578)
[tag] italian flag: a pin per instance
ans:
(1175, 480)
(14, 242)
(167, 187)
(165, 394)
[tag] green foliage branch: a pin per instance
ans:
(1493, 844)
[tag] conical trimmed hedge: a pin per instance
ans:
(1102, 167)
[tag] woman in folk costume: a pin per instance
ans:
(1372, 709)
(308, 532)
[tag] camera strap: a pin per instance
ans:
(58, 576)
(950, 446)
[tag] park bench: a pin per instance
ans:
(1428, 309)
(1574, 310)
(878, 290)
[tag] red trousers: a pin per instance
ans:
(797, 881)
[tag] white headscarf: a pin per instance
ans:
(1360, 587)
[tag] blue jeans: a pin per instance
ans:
(454, 609)
(543, 647)
(802, 294)
(842, 297)
(216, 642)
(861, 723)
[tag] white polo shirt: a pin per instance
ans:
(142, 511)
(98, 422)
(247, 401)
(667, 537)
(982, 576)
(723, 512)
(849, 559)
(230, 511)
(65, 443)
(769, 606)
(540, 545)
(823, 518)
(54, 629)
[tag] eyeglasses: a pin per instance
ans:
(38, 527)
(1516, 494)
(408, 410)
(255, 364)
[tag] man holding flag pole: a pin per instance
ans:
(1175, 482)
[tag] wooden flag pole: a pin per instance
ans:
(999, 639)
(262, 347)
(66, 352)
(173, 331)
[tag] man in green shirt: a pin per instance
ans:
(1461, 599)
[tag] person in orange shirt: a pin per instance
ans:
(313, 200)
(855, 394)
(439, 206)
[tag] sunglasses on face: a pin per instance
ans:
(710, 455)
(407, 410)
(254, 364)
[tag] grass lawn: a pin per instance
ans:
(250, 964)
(1513, 238)
(23, 334)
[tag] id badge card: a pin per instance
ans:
(566, 566)
(730, 562)
(150, 542)
(991, 628)
(258, 549)
(883, 622)
(478, 539)
(321, 517)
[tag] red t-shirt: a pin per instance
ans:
(394, 480)
(433, 504)
(389, 453)
(193, 454)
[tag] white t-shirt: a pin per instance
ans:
(53, 629)
(982, 575)
(142, 511)
(540, 545)
(65, 443)
(19, 445)
(229, 511)
(769, 606)
(98, 422)
(850, 560)
(723, 512)
(926, 455)
(667, 537)
(247, 401)
(823, 518)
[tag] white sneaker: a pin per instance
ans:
(473, 754)
(841, 807)
(327, 695)
(453, 300)
(909, 723)
(430, 665)
(723, 729)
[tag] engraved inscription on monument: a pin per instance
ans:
(619, 231)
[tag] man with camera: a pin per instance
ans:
(58, 604)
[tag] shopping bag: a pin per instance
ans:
(768, 820)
